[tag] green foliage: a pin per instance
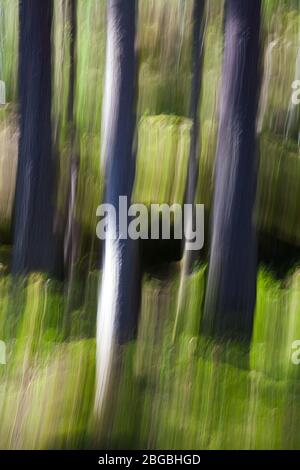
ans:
(9, 47)
(163, 150)
(191, 394)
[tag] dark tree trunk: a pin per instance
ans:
(231, 286)
(71, 243)
(189, 256)
(120, 288)
(72, 8)
(193, 164)
(33, 225)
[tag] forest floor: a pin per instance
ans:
(192, 394)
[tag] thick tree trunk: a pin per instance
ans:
(231, 286)
(33, 226)
(119, 295)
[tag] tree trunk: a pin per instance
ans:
(33, 225)
(72, 232)
(120, 288)
(231, 286)
(293, 114)
(193, 163)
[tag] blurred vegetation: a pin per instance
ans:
(192, 394)
(164, 40)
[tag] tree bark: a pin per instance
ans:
(189, 257)
(193, 164)
(120, 287)
(33, 225)
(72, 235)
(231, 285)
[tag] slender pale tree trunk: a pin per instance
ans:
(33, 223)
(231, 286)
(119, 294)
